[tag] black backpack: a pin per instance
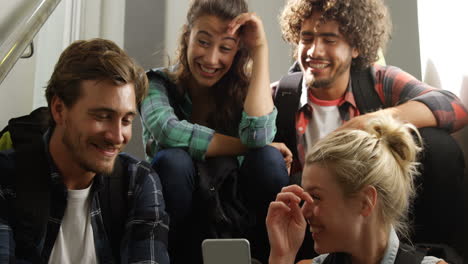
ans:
(408, 255)
(28, 128)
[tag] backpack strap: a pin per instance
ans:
(409, 255)
(31, 206)
(443, 251)
(287, 97)
(367, 99)
(113, 201)
(158, 75)
(174, 95)
(29, 127)
(337, 258)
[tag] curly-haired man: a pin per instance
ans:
(336, 45)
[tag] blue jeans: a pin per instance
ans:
(262, 175)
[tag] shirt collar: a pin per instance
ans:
(54, 172)
(392, 248)
(347, 98)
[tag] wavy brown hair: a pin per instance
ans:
(230, 91)
(95, 59)
(365, 24)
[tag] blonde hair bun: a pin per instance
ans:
(398, 138)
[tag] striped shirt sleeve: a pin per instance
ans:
(396, 87)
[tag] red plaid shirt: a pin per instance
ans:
(394, 87)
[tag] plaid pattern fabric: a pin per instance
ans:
(163, 129)
(145, 235)
(394, 87)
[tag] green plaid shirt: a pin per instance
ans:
(163, 129)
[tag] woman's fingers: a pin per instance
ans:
(298, 191)
(252, 33)
(241, 20)
(276, 211)
(288, 198)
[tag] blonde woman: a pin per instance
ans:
(357, 186)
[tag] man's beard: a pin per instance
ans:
(86, 164)
(321, 83)
(309, 79)
(328, 82)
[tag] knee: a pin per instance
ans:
(267, 164)
(266, 156)
(439, 144)
(442, 156)
(173, 161)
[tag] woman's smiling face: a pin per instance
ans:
(211, 50)
(333, 217)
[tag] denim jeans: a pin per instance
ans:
(262, 175)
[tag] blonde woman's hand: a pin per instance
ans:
(286, 224)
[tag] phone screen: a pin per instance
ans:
(226, 251)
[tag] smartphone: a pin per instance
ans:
(226, 251)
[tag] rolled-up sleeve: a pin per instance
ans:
(398, 87)
(451, 115)
(255, 132)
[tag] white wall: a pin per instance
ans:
(23, 89)
(403, 47)
(175, 17)
(444, 52)
(280, 51)
(50, 41)
(17, 90)
(444, 55)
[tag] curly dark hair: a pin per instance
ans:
(231, 90)
(94, 59)
(365, 24)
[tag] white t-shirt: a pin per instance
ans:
(325, 119)
(75, 242)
